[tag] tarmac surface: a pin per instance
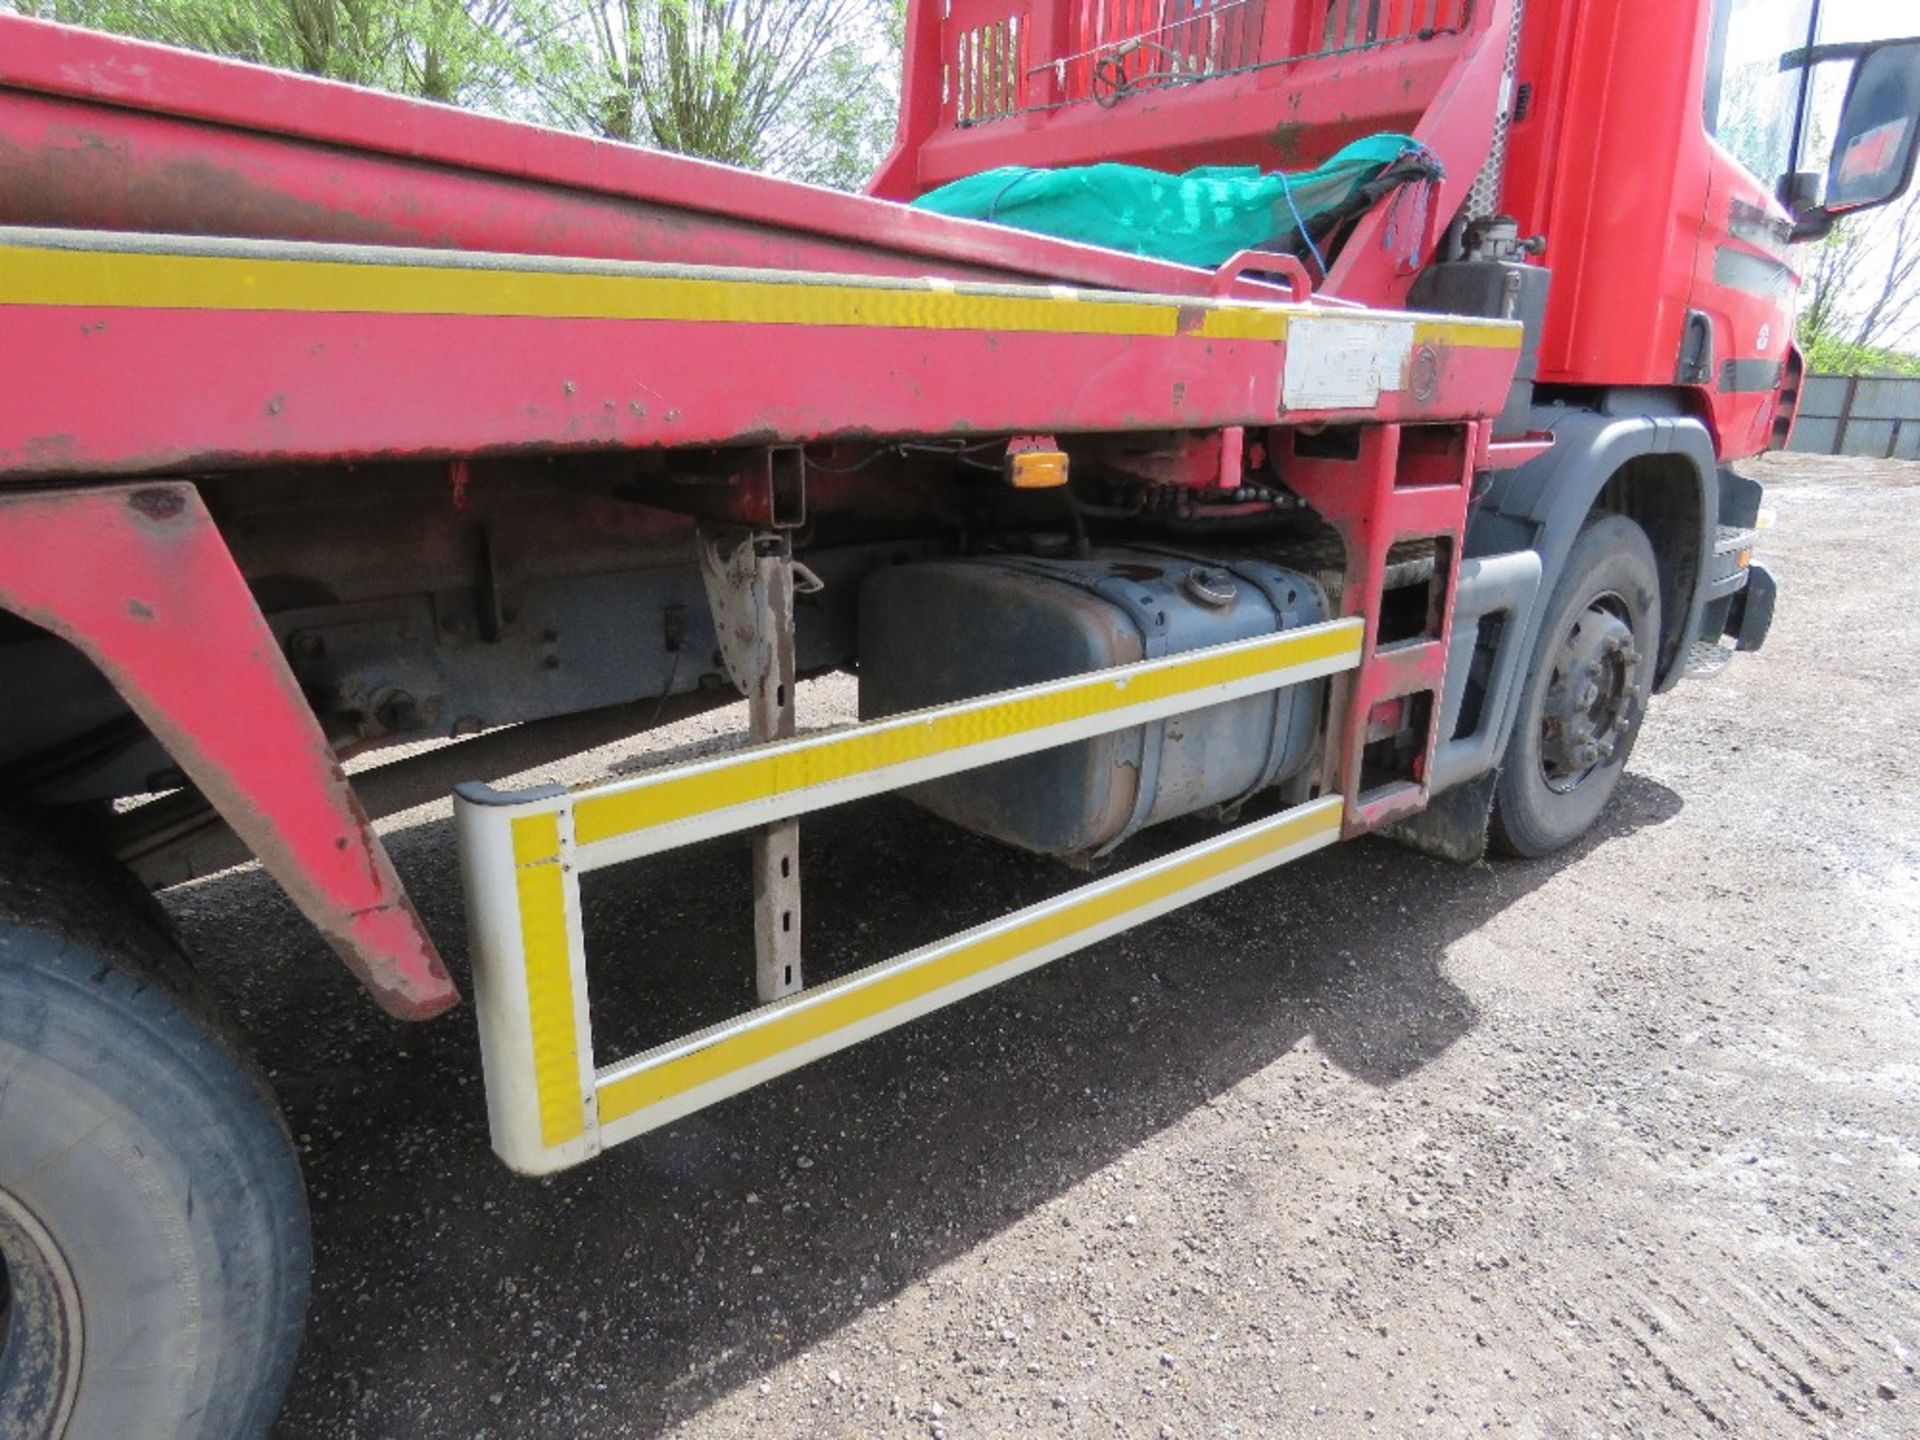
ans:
(1623, 1142)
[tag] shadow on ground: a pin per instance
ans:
(454, 1298)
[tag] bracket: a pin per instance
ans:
(749, 580)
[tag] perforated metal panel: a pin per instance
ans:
(1483, 198)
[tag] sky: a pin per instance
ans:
(1867, 19)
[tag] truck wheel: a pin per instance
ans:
(1586, 692)
(153, 1228)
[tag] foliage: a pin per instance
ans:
(806, 88)
(800, 87)
(450, 50)
(1827, 356)
(1862, 294)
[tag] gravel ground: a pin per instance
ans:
(1619, 1143)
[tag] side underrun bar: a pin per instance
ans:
(550, 1106)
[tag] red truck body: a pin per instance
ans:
(332, 421)
(109, 136)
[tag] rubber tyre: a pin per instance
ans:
(148, 1154)
(1530, 819)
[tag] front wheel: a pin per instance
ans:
(153, 1242)
(1586, 692)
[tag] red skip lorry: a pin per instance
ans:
(333, 421)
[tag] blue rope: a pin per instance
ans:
(1286, 190)
(1424, 192)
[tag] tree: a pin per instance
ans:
(1889, 302)
(806, 88)
(801, 87)
(1862, 294)
(457, 51)
(1824, 286)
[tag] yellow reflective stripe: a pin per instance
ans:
(1243, 322)
(535, 838)
(32, 276)
(541, 887)
(857, 1001)
(1504, 335)
(119, 279)
(761, 777)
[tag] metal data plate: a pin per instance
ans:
(522, 856)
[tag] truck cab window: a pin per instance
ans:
(1749, 99)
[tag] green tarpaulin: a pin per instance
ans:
(1203, 217)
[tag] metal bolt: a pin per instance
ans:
(396, 710)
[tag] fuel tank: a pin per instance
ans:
(947, 630)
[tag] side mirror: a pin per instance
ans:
(1874, 152)
(1878, 136)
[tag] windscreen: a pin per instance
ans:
(1750, 101)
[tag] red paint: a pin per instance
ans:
(158, 604)
(1290, 103)
(1394, 240)
(1614, 166)
(263, 387)
(1611, 163)
(1403, 485)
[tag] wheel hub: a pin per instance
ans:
(1594, 698)
(40, 1332)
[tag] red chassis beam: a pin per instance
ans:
(162, 353)
(138, 579)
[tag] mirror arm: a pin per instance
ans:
(1811, 224)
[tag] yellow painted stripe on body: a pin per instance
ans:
(540, 884)
(862, 1001)
(121, 279)
(1243, 322)
(1501, 335)
(35, 276)
(837, 757)
(1265, 322)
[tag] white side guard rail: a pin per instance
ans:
(521, 856)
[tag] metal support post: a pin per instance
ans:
(749, 580)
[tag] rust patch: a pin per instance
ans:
(158, 502)
(51, 452)
(1286, 141)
